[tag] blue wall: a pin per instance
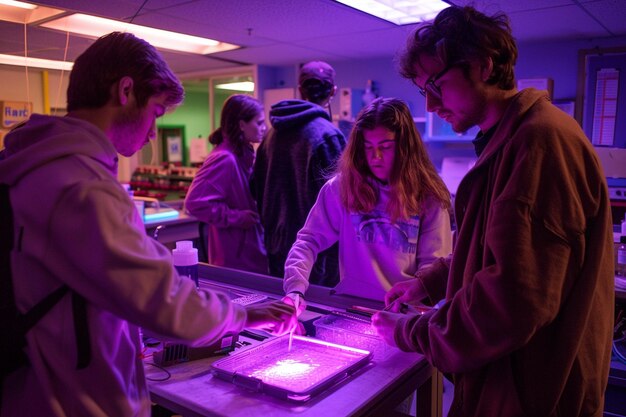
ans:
(557, 60)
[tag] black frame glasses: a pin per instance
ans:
(430, 87)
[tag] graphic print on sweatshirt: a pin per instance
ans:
(377, 229)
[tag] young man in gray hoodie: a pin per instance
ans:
(74, 225)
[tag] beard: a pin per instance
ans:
(127, 131)
(470, 118)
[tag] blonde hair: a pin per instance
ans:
(413, 177)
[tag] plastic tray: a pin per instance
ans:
(350, 332)
(310, 367)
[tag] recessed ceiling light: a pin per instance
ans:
(400, 12)
(93, 26)
(18, 4)
(21, 12)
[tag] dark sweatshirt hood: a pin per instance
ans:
(294, 113)
(46, 138)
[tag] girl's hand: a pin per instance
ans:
(290, 299)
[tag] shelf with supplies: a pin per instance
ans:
(162, 183)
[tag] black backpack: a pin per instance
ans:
(13, 324)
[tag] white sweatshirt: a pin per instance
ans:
(374, 252)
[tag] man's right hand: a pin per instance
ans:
(275, 317)
(408, 292)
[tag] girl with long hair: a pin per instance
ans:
(220, 193)
(386, 206)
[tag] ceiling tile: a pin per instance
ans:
(286, 32)
(610, 13)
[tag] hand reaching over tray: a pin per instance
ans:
(276, 317)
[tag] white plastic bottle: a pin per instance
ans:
(370, 94)
(185, 259)
(620, 267)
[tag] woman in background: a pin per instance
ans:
(387, 207)
(220, 194)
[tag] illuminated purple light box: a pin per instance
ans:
(310, 367)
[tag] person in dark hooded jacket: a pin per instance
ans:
(292, 164)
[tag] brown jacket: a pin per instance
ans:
(526, 328)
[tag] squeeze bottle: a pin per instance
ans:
(185, 259)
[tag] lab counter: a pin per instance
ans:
(192, 390)
(167, 231)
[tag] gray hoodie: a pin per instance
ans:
(75, 225)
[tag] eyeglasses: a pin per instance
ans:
(430, 87)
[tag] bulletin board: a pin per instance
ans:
(601, 96)
(172, 140)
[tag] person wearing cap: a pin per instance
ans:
(292, 165)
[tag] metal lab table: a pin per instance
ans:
(375, 390)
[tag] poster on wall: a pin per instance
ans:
(605, 109)
(198, 150)
(14, 112)
(174, 149)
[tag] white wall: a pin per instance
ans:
(13, 86)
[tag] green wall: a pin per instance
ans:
(193, 114)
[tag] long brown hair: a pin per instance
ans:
(236, 108)
(413, 177)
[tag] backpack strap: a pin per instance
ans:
(6, 245)
(26, 321)
(81, 331)
(41, 308)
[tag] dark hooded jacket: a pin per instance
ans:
(292, 164)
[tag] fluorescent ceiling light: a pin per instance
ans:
(18, 4)
(97, 26)
(400, 12)
(20, 12)
(237, 86)
(35, 62)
